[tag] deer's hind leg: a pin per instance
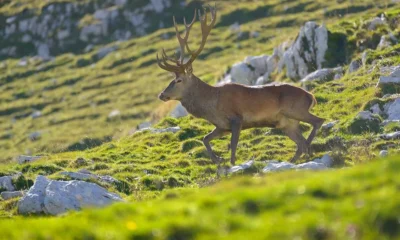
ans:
(292, 130)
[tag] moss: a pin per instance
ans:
(359, 126)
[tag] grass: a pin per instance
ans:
(359, 203)
(76, 92)
(172, 189)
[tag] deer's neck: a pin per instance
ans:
(201, 99)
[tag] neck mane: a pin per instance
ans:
(200, 98)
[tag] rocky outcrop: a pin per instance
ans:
(61, 26)
(56, 197)
(6, 183)
(307, 53)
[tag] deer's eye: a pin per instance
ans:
(178, 80)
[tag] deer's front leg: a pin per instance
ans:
(217, 132)
(236, 126)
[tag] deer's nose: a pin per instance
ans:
(162, 97)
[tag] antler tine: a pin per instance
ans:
(183, 41)
(205, 31)
(168, 67)
(165, 56)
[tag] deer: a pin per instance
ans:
(234, 107)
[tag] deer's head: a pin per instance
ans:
(182, 70)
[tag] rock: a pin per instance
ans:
(105, 51)
(383, 153)
(307, 53)
(235, 27)
(391, 136)
(179, 111)
(35, 136)
(263, 79)
(162, 130)
(258, 64)
(242, 166)
(329, 125)
(43, 51)
(85, 175)
(374, 23)
(33, 201)
(365, 115)
(375, 109)
(326, 74)
(36, 114)
(392, 110)
(22, 63)
(9, 195)
(384, 43)
(242, 73)
(6, 183)
(273, 166)
(143, 125)
(316, 164)
(355, 65)
(56, 197)
(114, 114)
(27, 159)
(63, 34)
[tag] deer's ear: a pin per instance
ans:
(189, 70)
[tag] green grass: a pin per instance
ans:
(76, 92)
(171, 187)
(360, 203)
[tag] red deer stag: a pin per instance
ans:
(234, 107)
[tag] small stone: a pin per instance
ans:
(22, 159)
(242, 166)
(383, 153)
(6, 183)
(9, 195)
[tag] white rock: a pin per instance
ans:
(355, 65)
(376, 109)
(384, 43)
(391, 136)
(374, 23)
(235, 27)
(179, 111)
(319, 163)
(56, 197)
(365, 115)
(43, 51)
(6, 183)
(105, 51)
(392, 109)
(74, 195)
(325, 160)
(242, 73)
(300, 60)
(33, 201)
(26, 38)
(162, 130)
(35, 136)
(329, 125)
(326, 74)
(274, 166)
(242, 166)
(114, 113)
(383, 153)
(36, 114)
(22, 63)
(87, 175)
(259, 64)
(144, 125)
(63, 34)
(27, 159)
(9, 195)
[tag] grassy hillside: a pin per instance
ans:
(76, 92)
(354, 203)
(172, 189)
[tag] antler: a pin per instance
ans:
(180, 66)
